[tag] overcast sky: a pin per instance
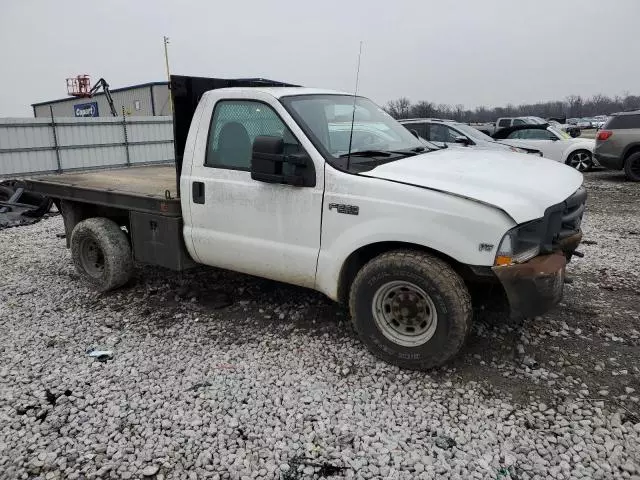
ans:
(487, 52)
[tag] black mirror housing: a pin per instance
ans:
(462, 140)
(270, 164)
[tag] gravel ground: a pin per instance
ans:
(220, 375)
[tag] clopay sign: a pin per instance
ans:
(86, 109)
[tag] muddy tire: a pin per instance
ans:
(410, 309)
(632, 167)
(101, 253)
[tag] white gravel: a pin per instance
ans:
(257, 389)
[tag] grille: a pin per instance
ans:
(564, 219)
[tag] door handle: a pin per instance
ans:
(197, 192)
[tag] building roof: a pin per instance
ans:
(112, 90)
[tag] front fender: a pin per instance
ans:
(470, 242)
(575, 147)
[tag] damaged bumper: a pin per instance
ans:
(533, 287)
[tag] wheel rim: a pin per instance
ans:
(580, 161)
(404, 313)
(634, 167)
(92, 258)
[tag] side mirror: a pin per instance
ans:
(462, 140)
(270, 164)
(415, 133)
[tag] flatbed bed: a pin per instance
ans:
(150, 189)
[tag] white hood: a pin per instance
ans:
(522, 185)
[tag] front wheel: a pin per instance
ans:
(410, 309)
(581, 160)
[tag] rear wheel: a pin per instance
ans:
(632, 167)
(101, 253)
(410, 309)
(581, 160)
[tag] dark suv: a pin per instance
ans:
(618, 144)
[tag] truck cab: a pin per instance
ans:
(390, 226)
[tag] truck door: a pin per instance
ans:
(263, 229)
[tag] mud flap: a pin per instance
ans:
(533, 287)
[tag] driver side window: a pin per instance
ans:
(235, 124)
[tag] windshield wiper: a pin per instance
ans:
(370, 153)
(415, 151)
(385, 153)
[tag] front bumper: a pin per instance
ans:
(533, 287)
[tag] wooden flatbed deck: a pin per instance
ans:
(141, 189)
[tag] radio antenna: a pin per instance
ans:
(353, 113)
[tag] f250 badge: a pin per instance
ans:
(342, 208)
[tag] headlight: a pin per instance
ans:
(520, 244)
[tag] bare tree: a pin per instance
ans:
(572, 106)
(399, 108)
(575, 105)
(423, 110)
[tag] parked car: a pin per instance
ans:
(396, 233)
(572, 130)
(584, 123)
(487, 128)
(504, 122)
(449, 132)
(599, 122)
(553, 143)
(618, 144)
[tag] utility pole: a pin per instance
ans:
(166, 61)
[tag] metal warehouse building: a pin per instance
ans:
(147, 99)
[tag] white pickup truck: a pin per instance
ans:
(272, 182)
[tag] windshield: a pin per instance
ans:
(559, 133)
(473, 132)
(377, 137)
